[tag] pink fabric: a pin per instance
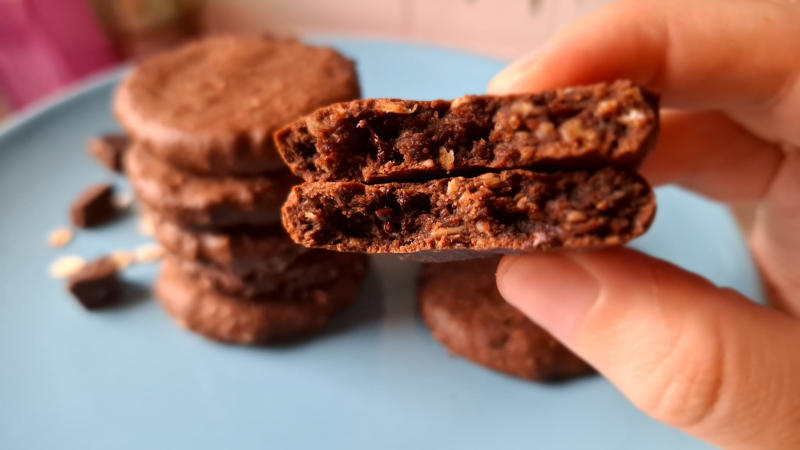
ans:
(45, 44)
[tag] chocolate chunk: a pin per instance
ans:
(109, 149)
(377, 140)
(96, 284)
(94, 206)
(461, 305)
(510, 211)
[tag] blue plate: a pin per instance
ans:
(129, 378)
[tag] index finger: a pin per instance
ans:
(734, 56)
(697, 54)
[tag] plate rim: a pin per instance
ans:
(81, 86)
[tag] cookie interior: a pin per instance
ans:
(511, 210)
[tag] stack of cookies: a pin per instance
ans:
(204, 166)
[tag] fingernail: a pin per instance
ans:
(509, 79)
(552, 289)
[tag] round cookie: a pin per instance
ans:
(461, 305)
(241, 251)
(211, 106)
(197, 201)
(314, 269)
(229, 319)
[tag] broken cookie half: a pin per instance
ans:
(477, 174)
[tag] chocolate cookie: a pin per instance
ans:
(314, 269)
(461, 305)
(379, 140)
(239, 321)
(197, 201)
(211, 106)
(240, 250)
(510, 211)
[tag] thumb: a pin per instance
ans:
(701, 358)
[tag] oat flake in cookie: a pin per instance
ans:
(510, 211)
(375, 140)
(211, 106)
(460, 304)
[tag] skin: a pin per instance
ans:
(696, 356)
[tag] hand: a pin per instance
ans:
(701, 358)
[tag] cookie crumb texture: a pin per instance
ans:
(460, 304)
(514, 210)
(377, 140)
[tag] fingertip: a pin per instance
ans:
(550, 288)
(518, 75)
(503, 266)
(503, 83)
(586, 52)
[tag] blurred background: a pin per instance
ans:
(47, 45)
